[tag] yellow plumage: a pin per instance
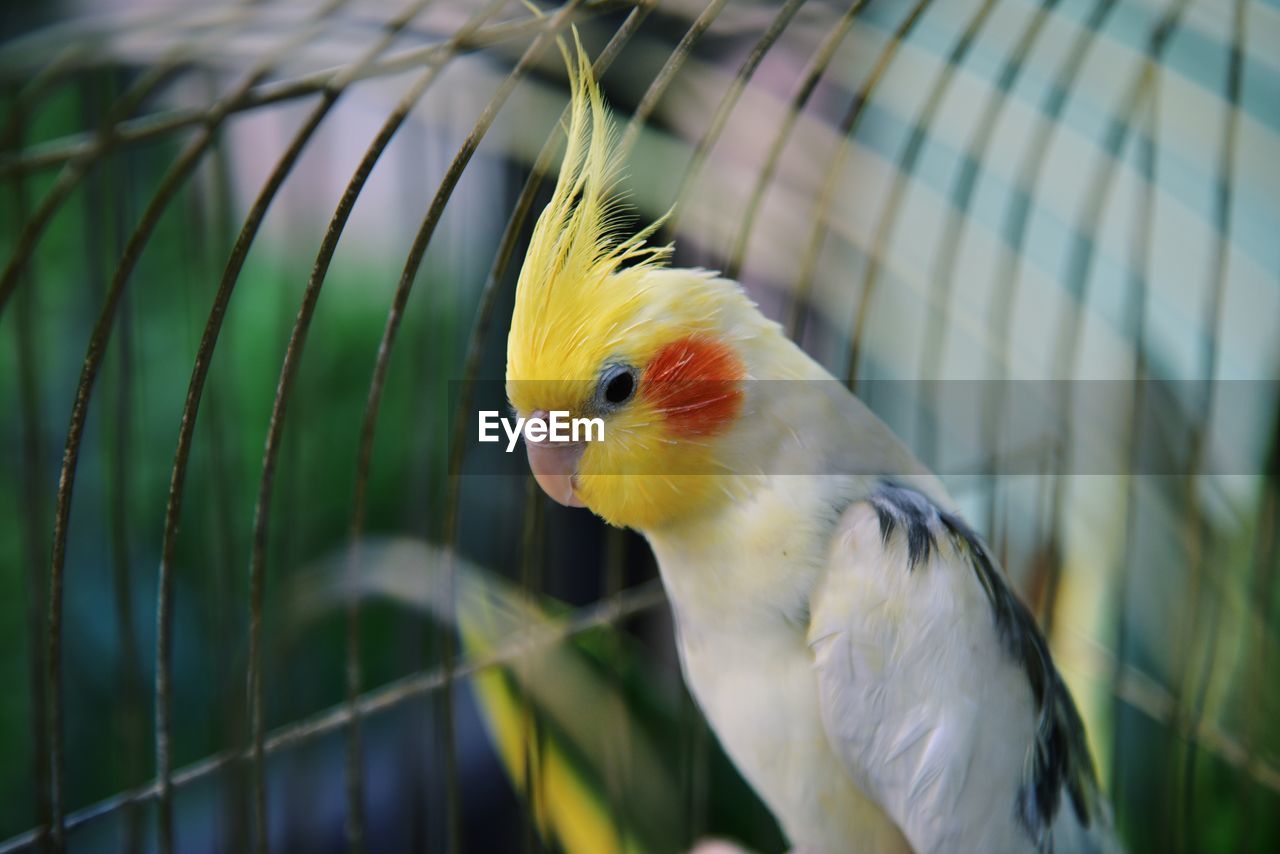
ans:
(573, 285)
(563, 804)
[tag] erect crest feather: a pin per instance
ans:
(575, 245)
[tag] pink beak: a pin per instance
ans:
(554, 466)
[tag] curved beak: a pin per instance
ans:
(554, 465)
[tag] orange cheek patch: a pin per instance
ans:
(694, 384)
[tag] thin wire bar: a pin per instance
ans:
(617, 758)
(1201, 633)
(730, 100)
(36, 529)
(204, 355)
(1261, 584)
(658, 86)
(1197, 526)
(118, 451)
(1136, 324)
(173, 179)
(814, 71)
(697, 739)
(962, 191)
(1014, 232)
(1030, 167)
(966, 181)
(213, 213)
(636, 600)
(160, 123)
(164, 586)
(284, 389)
(532, 579)
(904, 174)
(848, 127)
(1079, 274)
(395, 314)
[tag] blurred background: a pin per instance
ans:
(259, 256)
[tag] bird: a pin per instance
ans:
(851, 641)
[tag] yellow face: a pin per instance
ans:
(660, 377)
(602, 329)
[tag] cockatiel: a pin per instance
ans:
(850, 640)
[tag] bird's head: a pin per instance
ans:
(603, 329)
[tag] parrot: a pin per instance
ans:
(851, 641)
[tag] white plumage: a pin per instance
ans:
(859, 656)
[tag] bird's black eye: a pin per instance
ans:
(618, 385)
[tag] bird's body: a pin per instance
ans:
(852, 644)
(744, 651)
(851, 685)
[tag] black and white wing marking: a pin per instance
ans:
(939, 691)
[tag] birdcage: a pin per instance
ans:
(258, 264)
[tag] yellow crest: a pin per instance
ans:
(574, 293)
